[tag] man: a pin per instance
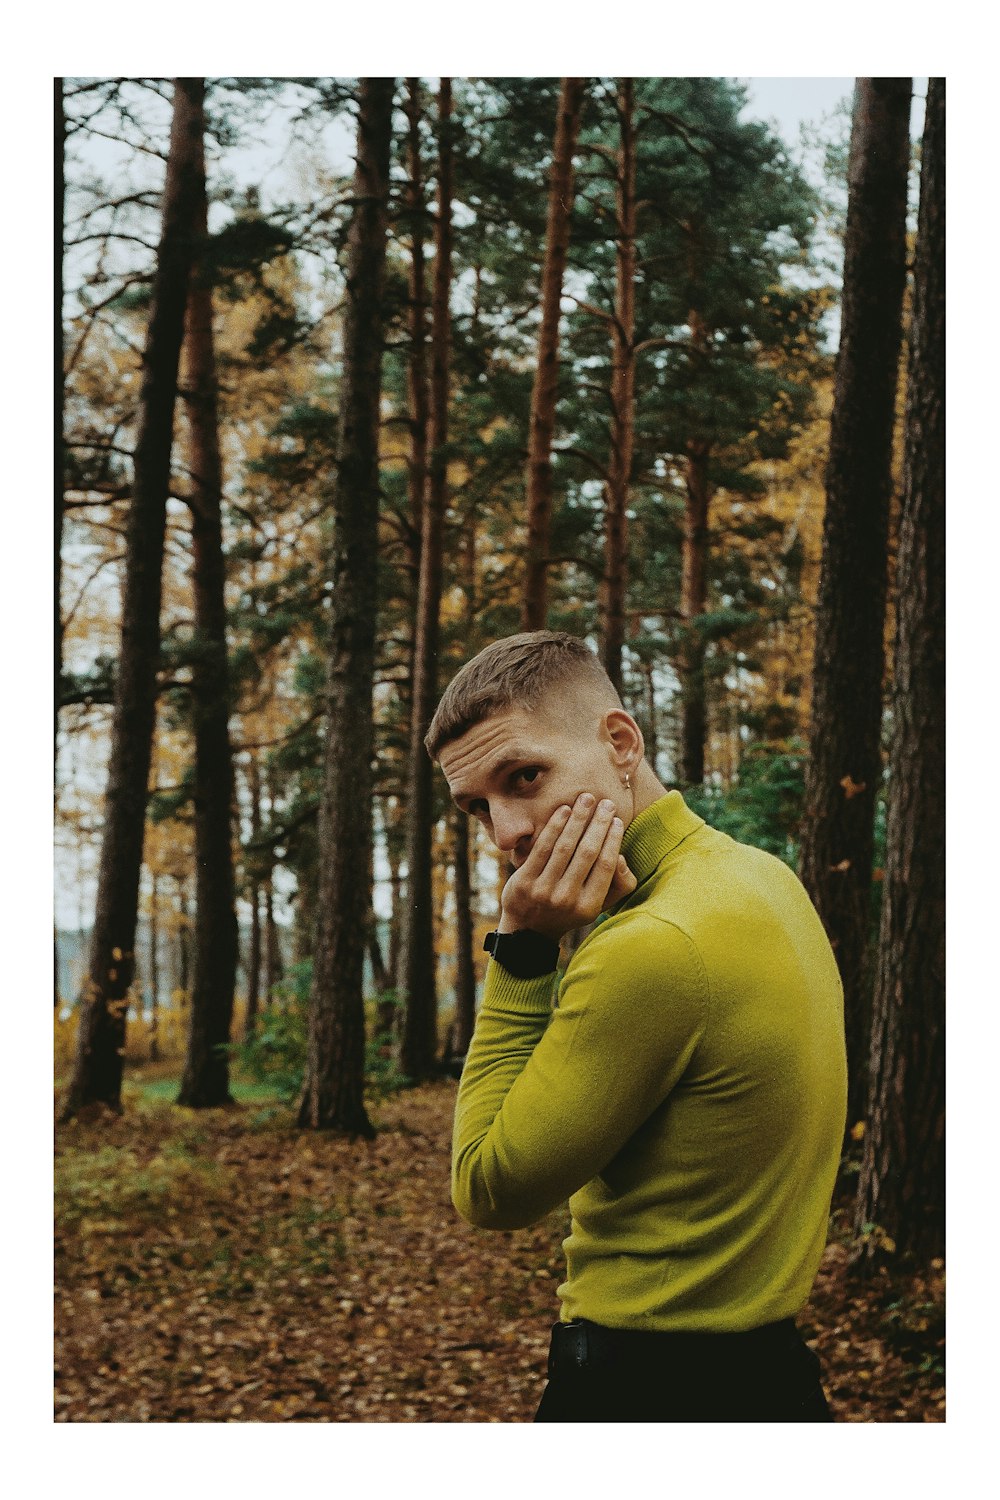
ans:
(686, 1091)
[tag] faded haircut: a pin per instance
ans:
(516, 672)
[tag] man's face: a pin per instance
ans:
(515, 768)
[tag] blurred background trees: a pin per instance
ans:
(602, 334)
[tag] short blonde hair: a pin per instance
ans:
(515, 672)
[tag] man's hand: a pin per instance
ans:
(573, 873)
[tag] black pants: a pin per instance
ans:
(607, 1375)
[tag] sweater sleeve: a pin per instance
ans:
(549, 1097)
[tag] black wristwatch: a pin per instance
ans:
(524, 954)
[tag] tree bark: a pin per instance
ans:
(845, 766)
(386, 1010)
(333, 1088)
(694, 596)
(154, 970)
(416, 373)
(544, 390)
(465, 974)
(254, 951)
(253, 966)
(418, 977)
(394, 856)
(419, 418)
(274, 967)
(304, 926)
(901, 1187)
(614, 578)
(101, 1038)
(59, 459)
(380, 974)
(653, 735)
(59, 414)
(184, 936)
(205, 1082)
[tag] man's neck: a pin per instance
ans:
(647, 789)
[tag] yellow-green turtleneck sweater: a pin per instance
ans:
(687, 1092)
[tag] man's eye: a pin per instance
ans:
(525, 776)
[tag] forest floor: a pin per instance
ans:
(222, 1266)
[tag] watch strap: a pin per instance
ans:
(524, 954)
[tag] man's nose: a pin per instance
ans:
(510, 827)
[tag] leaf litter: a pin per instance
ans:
(227, 1267)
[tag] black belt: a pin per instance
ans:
(582, 1345)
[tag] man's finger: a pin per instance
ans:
(598, 880)
(574, 830)
(543, 846)
(590, 845)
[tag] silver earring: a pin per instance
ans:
(626, 781)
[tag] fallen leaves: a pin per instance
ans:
(217, 1269)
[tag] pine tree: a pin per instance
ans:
(101, 1037)
(845, 765)
(205, 1083)
(419, 1050)
(253, 891)
(545, 388)
(901, 1187)
(59, 409)
(333, 1090)
(717, 363)
(623, 360)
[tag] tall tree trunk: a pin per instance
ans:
(416, 373)
(419, 418)
(380, 974)
(304, 910)
(59, 459)
(653, 736)
(614, 577)
(419, 984)
(184, 936)
(465, 974)
(274, 967)
(845, 766)
(394, 856)
(205, 1082)
(694, 596)
(253, 966)
(101, 1038)
(333, 1089)
(901, 1188)
(154, 969)
(59, 451)
(543, 395)
(386, 1010)
(254, 950)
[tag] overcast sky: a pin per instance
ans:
(792, 101)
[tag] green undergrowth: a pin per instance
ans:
(244, 1091)
(113, 1186)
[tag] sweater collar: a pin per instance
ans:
(656, 832)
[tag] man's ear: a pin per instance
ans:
(624, 739)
